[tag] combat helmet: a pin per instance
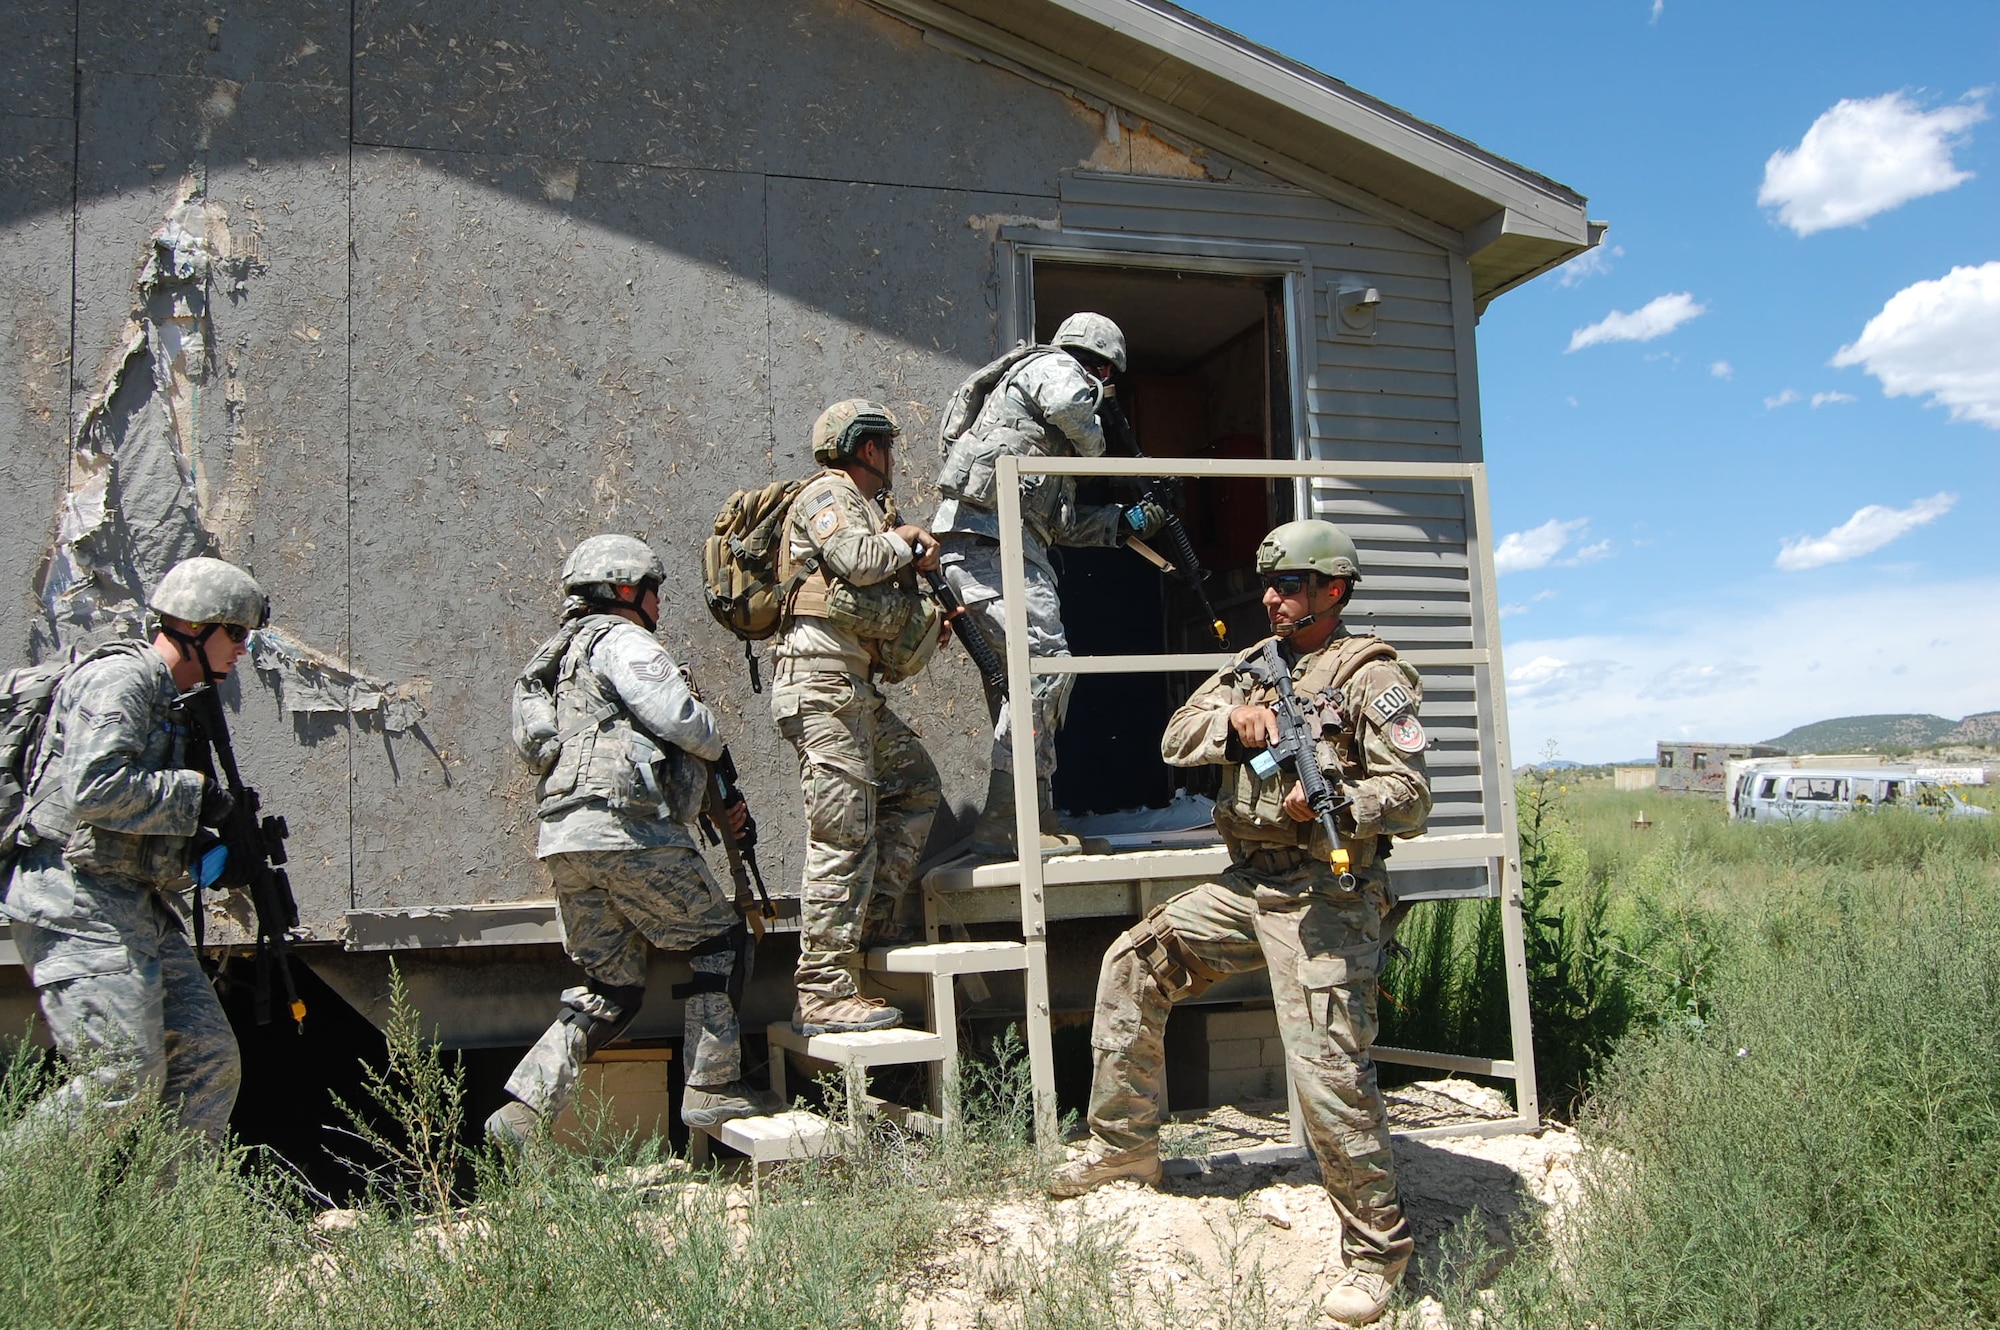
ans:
(840, 429)
(1092, 333)
(1309, 545)
(211, 591)
(611, 560)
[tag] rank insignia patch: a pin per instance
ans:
(1407, 735)
(1386, 706)
(655, 669)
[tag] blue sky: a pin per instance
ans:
(1716, 532)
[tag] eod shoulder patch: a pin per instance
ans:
(1392, 702)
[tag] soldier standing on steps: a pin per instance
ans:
(1033, 401)
(853, 614)
(622, 743)
(95, 900)
(1281, 904)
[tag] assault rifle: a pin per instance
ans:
(969, 634)
(247, 852)
(1298, 749)
(723, 795)
(1161, 493)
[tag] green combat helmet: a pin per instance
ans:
(607, 561)
(837, 434)
(1092, 333)
(211, 591)
(1309, 546)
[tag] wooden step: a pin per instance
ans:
(867, 1048)
(794, 1134)
(950, 958)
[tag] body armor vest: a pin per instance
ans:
(603, 756)
(1249, 812)
(892, 618)
(1006, 423)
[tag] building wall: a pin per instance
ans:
(488, 279)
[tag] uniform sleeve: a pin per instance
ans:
(1096, 524)
(1066, 398)
(1395, 797)
(835, 521)
(105, 775)
(1198, 734)
(656, 691)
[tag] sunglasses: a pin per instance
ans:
(237, 632)
(1285, 584)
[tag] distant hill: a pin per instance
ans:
(1851, 734)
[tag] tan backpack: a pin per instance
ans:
(739, 565)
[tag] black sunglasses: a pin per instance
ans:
(237, 632)
(1285, 584)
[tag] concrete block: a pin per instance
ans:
(1273, 1052)
(1251, 1023)
(1234, 1054)
(631, 1086)
(1237, 1087)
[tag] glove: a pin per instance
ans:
(217, 803)
(1145, 517)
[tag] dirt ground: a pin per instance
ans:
(1246, 1243)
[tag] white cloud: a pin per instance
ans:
(1655, 318)
(1831, 399)
(1591, 263)
(1588, 554)
(1867, 531)
(1658, 5)
(1536, 548)
(1938, 338)
(1785, 398)
(1508, 611)
(1866, 157)
(1722, 369)
(1610, 697)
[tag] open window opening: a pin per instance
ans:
(1208, 376)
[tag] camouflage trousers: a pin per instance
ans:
(121, 989)
(871, 793)
(611, 905)
(972, 567)
(1323, 947)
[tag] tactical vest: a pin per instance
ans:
(1016, 425)
(603, 756)
(1249, 812)
(892, 618)
(156, 861)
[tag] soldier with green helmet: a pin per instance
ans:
(1281, 905)
(96, 899)
(852, 616)
(621, 741)
(1033, 401)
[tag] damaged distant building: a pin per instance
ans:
(395, 304)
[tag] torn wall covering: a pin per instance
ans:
(133, 507)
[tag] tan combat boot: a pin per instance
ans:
(510, 1125)
(1359, 1296)
(815, 1014)
(709, 1106)
(1093, 1170)
(993, 834)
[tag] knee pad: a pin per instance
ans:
(734, 946)
(1174, 969)
(602, 1011)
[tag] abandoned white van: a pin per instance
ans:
(1830, 792)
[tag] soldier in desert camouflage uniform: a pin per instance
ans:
(852, 615)
(622, 742)
(1034, 401)
(95, 900)
(1280, 904)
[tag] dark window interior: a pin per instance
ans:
(1207, 377)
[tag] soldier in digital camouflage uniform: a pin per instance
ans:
(622, 742)
(1038, 401)
(852, 614)
(1280, 904)
(95, 901)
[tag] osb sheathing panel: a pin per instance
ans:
(34, 431)
(607, 261)
(35, 71)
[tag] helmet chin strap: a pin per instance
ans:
(195, 645)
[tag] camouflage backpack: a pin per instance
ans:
(970, 399)
(27, 696)
(739, 564)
